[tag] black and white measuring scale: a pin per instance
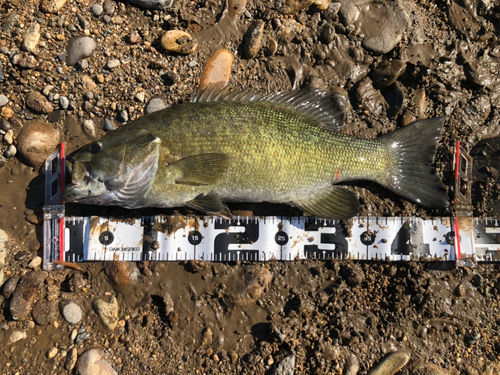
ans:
(211, 238)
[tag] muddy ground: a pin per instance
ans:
(396, 62)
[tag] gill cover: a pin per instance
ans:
(118, 169)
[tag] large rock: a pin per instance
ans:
(35, 142)
(25, 294)
(79, 47)
(35, 101)
(92, 362)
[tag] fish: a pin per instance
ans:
(241, 146)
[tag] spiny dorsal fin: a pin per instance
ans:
(326, 107)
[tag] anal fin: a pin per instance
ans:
(336, 203)
(210, 203)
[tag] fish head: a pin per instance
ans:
(117, 169)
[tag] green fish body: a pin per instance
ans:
(284, 148)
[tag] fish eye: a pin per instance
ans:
(95, 148)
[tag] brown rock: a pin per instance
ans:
(52, 6)
(235, 7)
(134, 37)
(45, 312)
(25, 294)
(178, 41)
(390, 364)
(119, 273)
(254, 39)
(35, 142)
(217, 69)
(256, 279)
(39, 103)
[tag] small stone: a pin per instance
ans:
(79, 47)
(36, 141)
(83, 22)
(96, 10)
(3, 100)
(352, 365)
(155, 104)
(108, 125)
(256, 279)
(73, 334)
(31, 37)
(72, 312)
(111, 64)
(217, 69)
(35, 262)
(25, 294)
(134, 37)
(63, 102)
(88, 128)
(192, 64)
(390, 364)
(17, 336)
(254, 39)
(47, 89)
(88, 83)
(82, 64)
(387, 72)
(38, 103)
(11, 151)
(71, 359)
(8, 137)
(460, 290)
(4, 125)
(10, 286)
(322, 4)
(140, 96)
(178, 41)
(272, 47)
(52, 6)
(286, 366)
(51, 353)
(109, 7)
(108, 311)
(92, 362)
(122, 116)
(153, 4)
(106, 18)
(117, 20)
(45, 312)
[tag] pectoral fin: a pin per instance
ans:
(202, 169)
(336, 203)
(210, 203)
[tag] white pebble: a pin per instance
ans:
(35, 262)
(72, 313)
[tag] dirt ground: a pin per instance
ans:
(395, 61)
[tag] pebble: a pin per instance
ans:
(4, 238)
(88, 128)
(122, 116)
(52, 352)
(35, 101)
(352, 365)
(31, 37)
(108, 311)
(272, 47)
(111, 64)
(17, 336)
(155, 104)
(35, 262)
(52, 6)
(3, 100)
(178, 41)
(71, 359)
(2, 76)
(88, 83)
(256, 279)
(108, 125)
(45, 312)
(79, 47)
(25, 294)
(11, 151)
(73, 334)
(153, 4)
(134, 37)
(109, 7)
(217, 69)
(390, 364)
(253, 41)
(83, 22)
(72, 312)
(82, 64)
(96, 10)
(382, 26)
(387, 72)
(140, 96)
(8, 137)
(92, 362)
(47, 89)
(285, 366)
(192, 63)
(236, 7)
(63, 102)
(36, 141)
(4, 125)
(322, 4)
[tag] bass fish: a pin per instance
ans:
(243, 147)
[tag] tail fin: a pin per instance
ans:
(412, 150)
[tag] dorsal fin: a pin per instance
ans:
(326, 107)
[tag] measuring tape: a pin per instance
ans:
(177, 237)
